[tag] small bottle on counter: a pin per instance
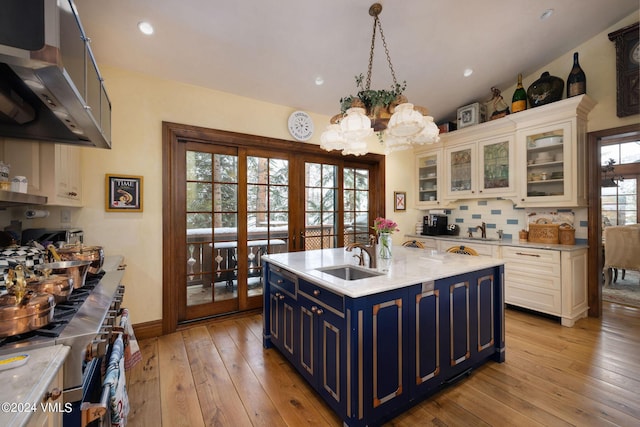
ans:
(519, 99)
(577, 80)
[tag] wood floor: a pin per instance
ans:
(218, 374)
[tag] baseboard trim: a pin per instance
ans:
(145, 330)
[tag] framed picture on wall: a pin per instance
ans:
(400, 198)
(124, 193)
(627, 43)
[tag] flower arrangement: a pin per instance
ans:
(383, 225)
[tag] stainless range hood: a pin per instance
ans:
(50, 86)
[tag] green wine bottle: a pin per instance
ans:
(577, 81)
(519, 99)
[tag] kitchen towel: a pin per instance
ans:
(132, 354)
(116, 379)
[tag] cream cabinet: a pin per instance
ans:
(536, 158)
(50, 408)
(549, 281)
(53, 170)
(480, 163)
(552, 154)
(429, 178)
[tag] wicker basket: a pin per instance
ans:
(544, 233)
(567, 235)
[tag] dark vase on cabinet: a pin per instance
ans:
(545, 90)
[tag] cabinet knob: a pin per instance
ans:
(52, 395)
(317, 311)
(279, 281)
(316, 292)
(280, 297)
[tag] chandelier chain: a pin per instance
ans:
(378, 24)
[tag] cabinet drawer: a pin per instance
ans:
(282, 279)
(537, 261)
(321, 295)
(534, 298)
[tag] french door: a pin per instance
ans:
(241, 201)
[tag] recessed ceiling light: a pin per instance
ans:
(546, 14)
(467, 72)
(319, 81)
(145, 27)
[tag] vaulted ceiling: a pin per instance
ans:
(274, 50)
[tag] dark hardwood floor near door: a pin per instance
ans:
(218, 374)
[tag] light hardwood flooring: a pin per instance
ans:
(218, 374)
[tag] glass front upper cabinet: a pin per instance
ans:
(428, 167)
(481, 169)
(461, 171)
(497, 157)
(549, 158)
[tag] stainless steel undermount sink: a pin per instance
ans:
(350, 272)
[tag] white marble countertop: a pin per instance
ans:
(23, 387)
(501, 242)
(408, 266)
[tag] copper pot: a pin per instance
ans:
(34, 311)
(95, 254)
(76, 269)
(60, 286)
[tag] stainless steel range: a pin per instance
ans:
(83, 323)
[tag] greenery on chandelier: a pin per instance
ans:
(372, 98)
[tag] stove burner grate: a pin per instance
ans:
(53, 329)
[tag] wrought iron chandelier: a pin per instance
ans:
(399, 124)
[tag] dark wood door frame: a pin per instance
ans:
(594, 234)
(174, 134)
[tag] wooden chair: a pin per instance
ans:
(413, 244)
(463, 250)
(621, 250)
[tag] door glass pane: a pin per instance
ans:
(267, 214)
(212, 217)
(356, 205)
(320, 206)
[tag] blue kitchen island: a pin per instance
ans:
(374, 342)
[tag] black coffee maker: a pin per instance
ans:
(434, 225)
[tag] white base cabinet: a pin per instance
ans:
(549, 281)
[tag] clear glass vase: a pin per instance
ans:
(384, 246)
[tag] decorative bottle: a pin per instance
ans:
(577, 81)
(519, 99)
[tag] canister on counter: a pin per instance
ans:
(19, 184)
(5, 184)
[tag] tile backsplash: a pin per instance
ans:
(502, 215)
